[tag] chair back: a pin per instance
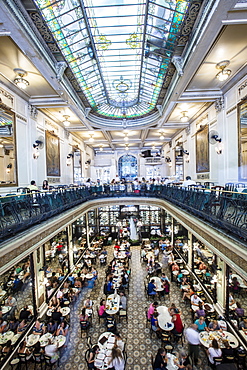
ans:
(152, 361)
(89, 342)
(218, 360)
(229, 359)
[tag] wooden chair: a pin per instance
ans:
(23, 360)
(38, 360)
(84, 327)
(15, 362)
(152, 361)
(122, 313)
(48, 363)
(217, 361)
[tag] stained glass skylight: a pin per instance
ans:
(118, 50)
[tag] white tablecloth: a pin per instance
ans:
(164, 318)
(112, 304)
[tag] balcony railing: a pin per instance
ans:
(222, 209)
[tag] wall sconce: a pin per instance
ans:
(218, 149)
(38, 144)
(19, 80)
(69, 159)
(66, 121)
(36, 153)
(184, 117)
(224, 73)
(8, 168)
(185, 151)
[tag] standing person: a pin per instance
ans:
(45, 185)
(116, 360)
(192, 337)
(92, 356)
(160, 360)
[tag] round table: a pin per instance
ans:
(64, 311)
(185, 272)
(158, 283)
(112, 304)
(32, 339)
(207, 337)
(164, 319)
(6, 336)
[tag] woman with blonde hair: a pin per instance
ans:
(117, 361)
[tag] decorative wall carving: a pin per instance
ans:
(33, 111)
(219, 104)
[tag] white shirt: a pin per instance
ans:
(192, 336)
(196, 300)
(214, 353)
(188, 182)
(118, 363)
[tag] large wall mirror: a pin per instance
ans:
(242, 119)
(8, 164)
(77, 172)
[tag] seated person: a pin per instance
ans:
(231, 301)
(214, 351)
(62, 329)
(25, 313)
(227, 351)
(188, 293)
(178, 325)
(195, 300)
(109, 287)
(243, 325)
(3, 326)
(25, 350)
(239, 310)
(123, 301)
(153, 306)
(183, 361)
(200, 312)
(201, 325)
(51, 327)
(22, 327)
(214, 325)
(51, 350)
(92, 356)
(154, 322)
(160, 361)
(102, 308)
(13, 325)
(84, 322)
(39, 328)
(7, 347)
(56, 315)
(151, 287)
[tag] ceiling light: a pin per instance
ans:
(91, 139)
(162, 137)
(66, 122)
(184, 117)
(224, 73)
(101, 148)
(19, 80)
(126, 146)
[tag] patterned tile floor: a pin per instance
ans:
(139, 345)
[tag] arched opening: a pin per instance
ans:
(127, 167)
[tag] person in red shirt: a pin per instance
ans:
(178, 325)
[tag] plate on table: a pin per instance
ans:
(109, 345)
(111, 339)
(98, 363)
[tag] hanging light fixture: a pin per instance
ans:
(224, 73)
(126, 146)
(184, 117)
(162, 137)
(66, 121)
(20, 82)
(101, 148)
(91, 139)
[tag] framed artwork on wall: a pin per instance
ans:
(202, 150)
(242, 140)
(52, 154)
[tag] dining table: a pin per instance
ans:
(58, 340)
(207, 337)
(112, 304)
(8, 335)
(64, 311)
(158, 283)
(164, 318)
(172, 361)
(106, 342)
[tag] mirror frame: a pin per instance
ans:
(10, 112)
(240, 162)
